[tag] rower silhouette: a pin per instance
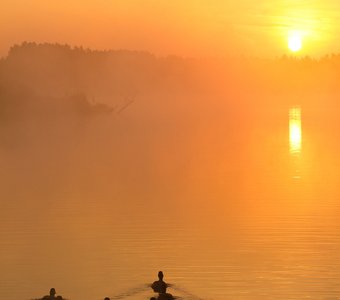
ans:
(160, 287)
(52, 296)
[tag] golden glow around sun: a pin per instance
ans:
(294, 41)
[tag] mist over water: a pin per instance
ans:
(115, 165)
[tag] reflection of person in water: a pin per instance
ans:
(160, 287)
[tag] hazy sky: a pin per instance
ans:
(190, 27)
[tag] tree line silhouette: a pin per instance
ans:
(63, 79)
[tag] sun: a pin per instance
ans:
(294, 41)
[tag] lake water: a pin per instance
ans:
(238, 205)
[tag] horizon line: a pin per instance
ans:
(295, 56)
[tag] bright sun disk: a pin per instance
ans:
(295, 41)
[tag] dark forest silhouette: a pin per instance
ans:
(53, 81)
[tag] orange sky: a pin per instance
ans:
(190, 28)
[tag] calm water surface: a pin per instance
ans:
(227, 209)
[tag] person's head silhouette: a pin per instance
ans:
(160, 275)
(52, 291)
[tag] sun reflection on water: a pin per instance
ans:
(295, 133)
(295, 137)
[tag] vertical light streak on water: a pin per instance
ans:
(295, 139)
(295, 132)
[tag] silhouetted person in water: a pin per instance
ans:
(160, 287)
(52, 296)
(106, 298)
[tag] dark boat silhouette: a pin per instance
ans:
(165, 296)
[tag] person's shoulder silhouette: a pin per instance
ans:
(159, 286)
(52, 295)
